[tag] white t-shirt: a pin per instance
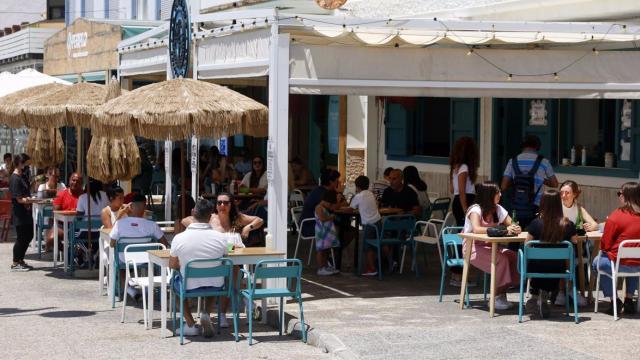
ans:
(469, 188)
(134, 227)
(96, 206)
(475, 209)
(262, 183)
(366, 204)
(59, 187)
(199, 241)
(423, 197)
(571, 213)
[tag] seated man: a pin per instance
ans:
(399, 195)
(66, 199)
(134, 226)
(198, 241)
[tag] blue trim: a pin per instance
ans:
(83, 8)
(158, 9)
(597, 171)
(134, 9)
(106, 9)
(420, 159)
(67, 13)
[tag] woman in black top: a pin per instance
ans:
(550, 227)
(22, 219)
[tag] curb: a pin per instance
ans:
(328, 343)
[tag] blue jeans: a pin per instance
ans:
(605, 282)
(177, 285)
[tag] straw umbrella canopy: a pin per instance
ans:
(45, 147)
(176, 109)
(71, 106)
(12, 106)
(110, 158)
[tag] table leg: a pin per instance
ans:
(111, 286)
(163, 301)
(149, 295)
(592, 278)
(65, 237)
(356, 247)
(465, 270)
(34, 215)
(492, 296)
(581, 266)
(55, 242)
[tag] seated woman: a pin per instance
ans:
(256, 179)
(326, 233)
(116, 209)
(486, 213)
(413, 180)
(551, 226)
(570, 191)
(622, 224)
(213, 182)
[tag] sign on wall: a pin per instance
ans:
(83, 46)
(538, 113)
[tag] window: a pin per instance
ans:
(590, 125)
(424, 129)
(55, 10)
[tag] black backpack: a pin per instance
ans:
(524, 192)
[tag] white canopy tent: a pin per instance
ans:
(25, 79)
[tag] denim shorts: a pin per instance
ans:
(177, 285)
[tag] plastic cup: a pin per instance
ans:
(601, 227)
(229, 246)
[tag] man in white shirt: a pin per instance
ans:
(134, 226)
(198, 241)
(367, 206)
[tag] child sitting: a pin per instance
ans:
(365, 202)
(326, 234)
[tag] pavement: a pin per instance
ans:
(46, 314)
(400, 317)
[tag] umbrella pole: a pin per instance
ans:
(182, 180)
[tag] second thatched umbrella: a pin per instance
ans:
(45, 147)
(12, 106)
(176, 109)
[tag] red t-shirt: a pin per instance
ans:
(620, 226)
(66, 200)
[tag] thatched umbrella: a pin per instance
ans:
(12, 106)
(176, 109)
(72, 106)
(112, 158)
(45, 147)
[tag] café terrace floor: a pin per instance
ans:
(46, 313)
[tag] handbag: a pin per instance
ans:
(498, 231)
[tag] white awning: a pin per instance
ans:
(144, 62)
(241, 55)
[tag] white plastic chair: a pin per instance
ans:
(627, 250)
(103, 266)
(134, 259)
(448, 221)
(296, 213)
(296, 198)
(428, 236)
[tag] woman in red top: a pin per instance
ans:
(622, 224)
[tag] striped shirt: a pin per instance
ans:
(526, 160)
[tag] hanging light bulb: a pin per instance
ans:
(470, 52)
(509, 77)
(595, 51)
(555, 76)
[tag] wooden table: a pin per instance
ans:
(595, 236)
(349, 211)
(66, 217)
(471, 238)
(244, 256)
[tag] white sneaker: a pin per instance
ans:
(333, 269)
(324, 271)
(224, 323)
(191, 330)
(205, 324)
(560, 300)
(502, 303)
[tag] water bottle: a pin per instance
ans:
(232, 187)
(573, 155)
(268, 242)
(584, 156)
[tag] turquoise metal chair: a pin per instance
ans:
(42, 225)
(119, 264)
(287, 269)
(83, 223)
(531, 252)
(451, 257)
(397, 230)
(205, 268)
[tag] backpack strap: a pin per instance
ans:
(536, 165)
(515, 166)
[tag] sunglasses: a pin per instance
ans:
(223, 202)
(619, 193)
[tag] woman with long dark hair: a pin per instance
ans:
(413, 180)
(256, 179)
(622, 224)
(97, 197)
(21, 211)
(463, 173)
(486, 213)
(550, 227)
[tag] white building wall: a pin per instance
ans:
(14, 12)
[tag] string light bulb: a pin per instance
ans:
(470, 52)
(510, 77)
(555, 76)
(596, 52)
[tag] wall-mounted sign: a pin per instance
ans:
(271, 162)
(76, 41)
(194, 154)
(538, 113)
(625, 130)
(179, 38)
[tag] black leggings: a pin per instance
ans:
(24, 235)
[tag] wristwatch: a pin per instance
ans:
(251, 226)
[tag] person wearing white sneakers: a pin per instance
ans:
(198, 241)
(484, 214)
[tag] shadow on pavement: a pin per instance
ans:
(7, 312)
(67, 314)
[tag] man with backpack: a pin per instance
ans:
(527, 173)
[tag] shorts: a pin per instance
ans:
(177, 285)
